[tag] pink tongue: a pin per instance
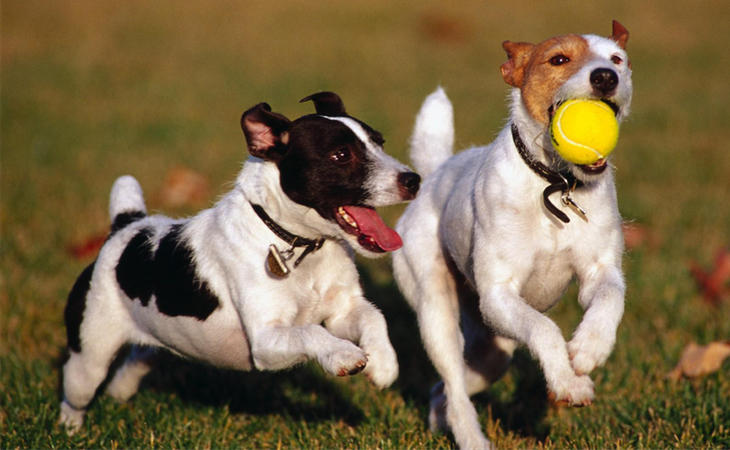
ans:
(372, 225)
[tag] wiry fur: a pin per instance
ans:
(483, 258)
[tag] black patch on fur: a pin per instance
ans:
(73, 314)
(123, 219)
(168, 273)
(136, 267)
(309, 176)
(179, 290)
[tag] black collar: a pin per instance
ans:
(563, 181)
(292, 239)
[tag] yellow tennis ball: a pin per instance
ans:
(584, 131)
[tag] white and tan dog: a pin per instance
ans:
(487, 250)
(265, 279)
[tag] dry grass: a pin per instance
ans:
(91, 90)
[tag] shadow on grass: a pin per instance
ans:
(300, 393)
(304, 393)
(522, 412)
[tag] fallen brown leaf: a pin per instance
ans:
(634, 235)
(714, 283)
(88, 247)
(440, 28)
(183, 186)
(698, 360)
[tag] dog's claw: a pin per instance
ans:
(359, 366)
(564, 402)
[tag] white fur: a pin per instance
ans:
(126, 195)
(482, 211)
(433, 133)
(318, 312)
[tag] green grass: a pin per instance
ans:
(91, 90)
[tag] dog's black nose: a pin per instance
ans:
(604, 80)
(409, 183)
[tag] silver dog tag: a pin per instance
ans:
(568, 201)
(276, 264)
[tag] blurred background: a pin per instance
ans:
(91, 90)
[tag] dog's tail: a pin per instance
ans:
(126, 202)
(432, 141)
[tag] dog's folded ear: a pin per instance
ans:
(326, 104)
(620, 34)
(513, 71)
(266, 132)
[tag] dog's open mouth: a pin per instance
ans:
(371, 232)
(595, 168)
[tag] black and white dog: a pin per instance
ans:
(265, 279)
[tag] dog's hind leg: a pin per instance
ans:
(429, 287)
(86, 369)
(82, 375)
(127, 378)
(438, 316)
(487, 356)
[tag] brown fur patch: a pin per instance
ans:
(530, 69)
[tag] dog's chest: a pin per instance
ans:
(548, 278)
(557, 253)
(317, 288)
(316, 302)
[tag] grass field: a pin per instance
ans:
(92, 90)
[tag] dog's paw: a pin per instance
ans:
(345, 359)
(382, 368)
(464, 426)
(573, 391)
(71, 418)
(588, 350)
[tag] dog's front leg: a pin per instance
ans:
(602, 291)
(511, 316)
(365, 324)
(275, 347)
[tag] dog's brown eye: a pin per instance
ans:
(616, 60)
(559, 60)
(341, 155)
